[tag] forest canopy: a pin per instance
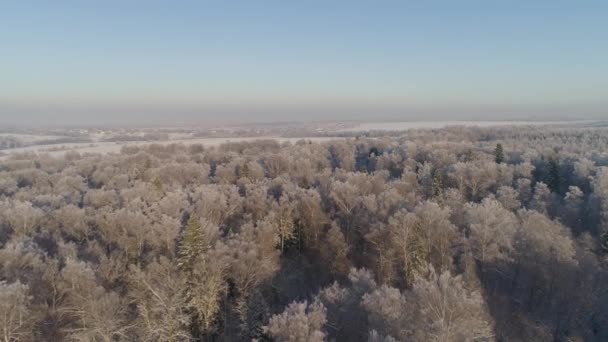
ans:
(454, 234)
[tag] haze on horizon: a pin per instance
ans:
(154, 62)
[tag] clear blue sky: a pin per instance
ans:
(178, 61)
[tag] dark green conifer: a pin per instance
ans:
(158, 184)
(604, 242)
(245, 172)
(437, 183)
(554, 180)
(192, 245)
(499, 155)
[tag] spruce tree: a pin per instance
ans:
(418, 255)
(604, 241)
(158, 184)
(554, 174)
(192, 245)
(437, 183)
(204, 278)
(468, 156)
(499, 155)
(244, 171)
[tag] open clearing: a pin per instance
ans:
(405, 125)
(113, 147)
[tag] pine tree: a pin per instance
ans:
(192, 245)
(554, 174)
(204, 277)
(244, 171)
(437, 183)
(158, 184)
(468, 156)
(604, 242)
(499, 155)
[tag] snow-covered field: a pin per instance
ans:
(405, 125)
(29, 138)
(110, 147)
(98, 146)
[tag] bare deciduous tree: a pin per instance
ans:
(300, 322)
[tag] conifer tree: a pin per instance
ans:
(192, 245)
(437, 183)
(158, 184)
(204, 276)
(244, 171)
(499, 155)
(604, 242)
(468, 156)
(554, 174)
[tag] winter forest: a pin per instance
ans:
(453, 234)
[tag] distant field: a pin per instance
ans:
(405, 125)
(110, 147)
(29, 138)
(98, 146)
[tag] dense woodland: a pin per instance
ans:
(458, 234)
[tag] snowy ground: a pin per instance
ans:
(29, 138)
(185, 138)
(109, 147)
(399, 126)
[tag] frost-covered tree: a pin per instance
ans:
(185, 242)
(16, 319)
(408, 245)
(300, 322)
(491, 231)
(448, 310)
(508, 197)
(437, 183)
(197, 239)
(499, 154)
(161, 309)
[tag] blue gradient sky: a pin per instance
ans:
(180, 61)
